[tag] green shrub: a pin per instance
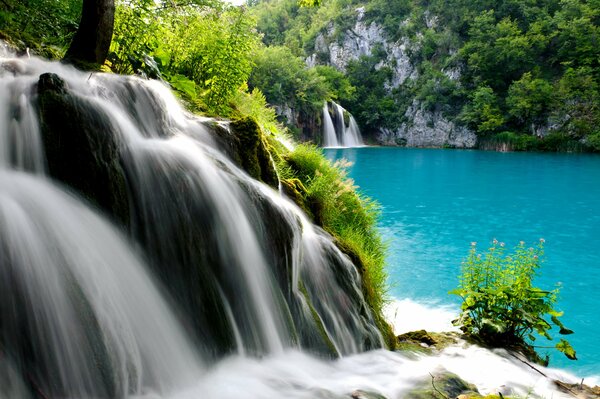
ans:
(501, 307)
(593, 141)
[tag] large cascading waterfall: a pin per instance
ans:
(249, 272)
(138, 260)
(342, 130)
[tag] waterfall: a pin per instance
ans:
(248, 273)
(329, 132)
(338, 133)
(137, 260)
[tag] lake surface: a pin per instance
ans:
(436, 202)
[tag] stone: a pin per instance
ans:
(443, 384)
(82, 147)
(428, 129)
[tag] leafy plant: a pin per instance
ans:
(501, 307)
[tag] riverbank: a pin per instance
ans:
(427, 332)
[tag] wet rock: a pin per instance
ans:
(426, 342)
(360, 394)
(443, 384)
(82, 146)
(420, 336)
(253, 152)
(580, 391)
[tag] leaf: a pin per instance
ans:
(566, 348)
(565, 331)
(183, 84)
(557, 322)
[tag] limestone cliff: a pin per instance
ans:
(420, 126)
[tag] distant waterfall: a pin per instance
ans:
(338, 133)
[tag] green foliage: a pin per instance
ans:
(340, 87)
(501, 307)
(254, 105)
(203, 48)
(372, 104)
(483, 112)
(578, 102)
(529, 67)
(46, 26)
(529, 100)
(285, 80)
(496, 52)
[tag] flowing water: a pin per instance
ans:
(436, 202)
(204, 283)
(336, 133)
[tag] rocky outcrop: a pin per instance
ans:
(75, 126)
(422, 127)
(210, 232)
(442, 384)
(361, 40)
(428, 129)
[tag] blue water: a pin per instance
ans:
(436, 202)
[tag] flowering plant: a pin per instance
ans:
(500, 306)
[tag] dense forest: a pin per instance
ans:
(508, 70)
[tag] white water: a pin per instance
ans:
(329, 134)
(76, 289)
(337, 134)
(422, 316)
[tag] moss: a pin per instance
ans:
(296, 191)
(318, 322)
(349, 217)
(442, 385)
(253, 153)
(420, 336)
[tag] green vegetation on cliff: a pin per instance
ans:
(497, 67)
(330, 197)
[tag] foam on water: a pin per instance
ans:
(407, 315)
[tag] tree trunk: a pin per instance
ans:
(92, 40)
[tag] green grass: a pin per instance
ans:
(349, 216)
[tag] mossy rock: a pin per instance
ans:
(442, 385)
(426, 342)
(360, 394)
(82, 147)
(295, 190)
(253, 153)
(420, 336)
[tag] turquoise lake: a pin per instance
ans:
(436, 202)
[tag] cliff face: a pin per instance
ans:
(427, 129)
(420, 126)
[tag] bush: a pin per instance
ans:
(500, 306)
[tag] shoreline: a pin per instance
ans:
(430, 320)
